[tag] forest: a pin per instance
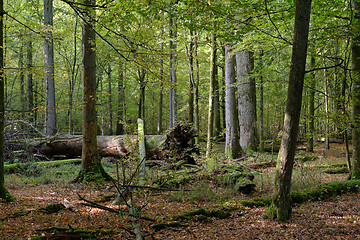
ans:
(179, 119)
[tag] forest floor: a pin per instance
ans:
(335, 218)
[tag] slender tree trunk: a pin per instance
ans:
(72, 81)
(196, 92)
(50, 110)
(210, 129)
(30, 85)
(120, 102)
(100, 82)
(281, 202)
(172, 65)
(91, 168)
(4, 194)
(355, 164)
(232, 145)
(247, 100)
(161, 79)
(142, 83)
(311, 129)
(327, 125)
(261, 107)
(22, 79)
(110, 100)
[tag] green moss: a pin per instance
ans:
(4, 194)
(256, 202)
(339, 170)
(217, 213)
(306, 157)
(52, 208)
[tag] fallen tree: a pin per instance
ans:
(173, 145)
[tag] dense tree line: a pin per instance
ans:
(222, 66)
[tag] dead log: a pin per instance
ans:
(172, 146)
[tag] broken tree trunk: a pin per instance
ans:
(174, 145)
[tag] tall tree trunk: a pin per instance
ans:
(261, 107)
(161, 79)
(246, 100)
(30, 84)
(72, 81)
(196, 91)
(50, 110)
(327, 117)
(22, 79)
(100, 82)
(217, 116)
(232, 145)
(210, 129)
(91, 169)
(172, 65)
(355, 171)
(311, 129)
(142, 84)
(4, 194)
(281, 202)
(120, 102)
(110, 100)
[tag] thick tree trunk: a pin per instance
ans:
(4, 194)
(232, 145)
(355, 171)
(281, 202)
(246, 100)
(157, 146)
(91, 168)
(50, 110)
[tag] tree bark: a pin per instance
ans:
(91, 168)
(246, 100)
(50, 110)
(355, 164)
(120, 102)
(261, 107)
(281, 202)
(210, 129)
(172, 66)
(232, 145)
(311, 129)
(4, 194)
(110, 99)
(30, 84)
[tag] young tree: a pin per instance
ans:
(4, 194)
(232, 145)
(281, 202)
(310, 140)
(50, 111)
(91, 168)
(210, 129)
